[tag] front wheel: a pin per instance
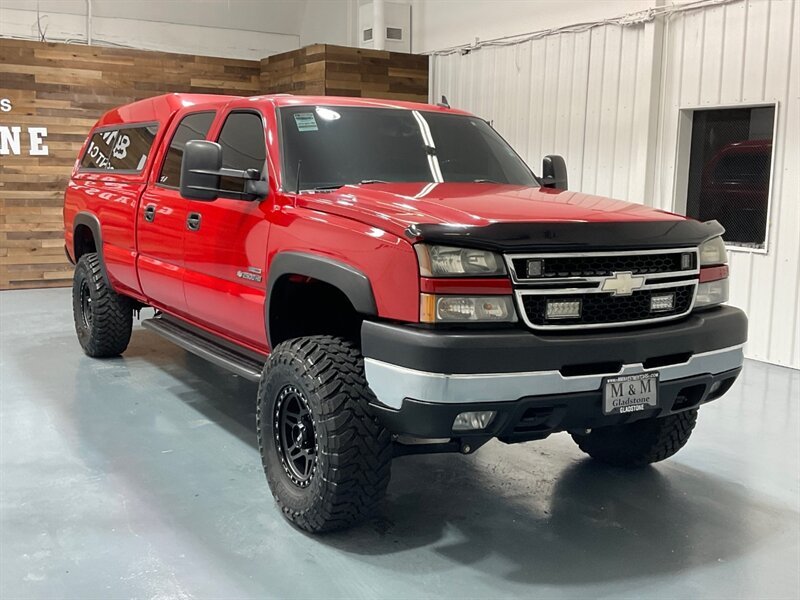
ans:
(327, 459)
(639, 443)
(103, 318)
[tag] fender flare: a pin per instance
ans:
(354, 284)
(93, 223)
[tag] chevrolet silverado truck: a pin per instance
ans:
(397, 281)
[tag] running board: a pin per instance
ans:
(202, 345)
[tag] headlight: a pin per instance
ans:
(713, 288)
(713, 252)
(466, 309)
(448, 261)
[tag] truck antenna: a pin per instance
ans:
(444, 103)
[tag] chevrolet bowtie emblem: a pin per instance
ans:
(622, 283)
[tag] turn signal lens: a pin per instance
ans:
(712, 293)
(468, 309)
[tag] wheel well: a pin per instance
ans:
(83, 241)
(301, 306)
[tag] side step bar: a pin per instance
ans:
(204, 346)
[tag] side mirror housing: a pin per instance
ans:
(201, 173)
(554, 172)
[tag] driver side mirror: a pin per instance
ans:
(554, 172)
(201, 173)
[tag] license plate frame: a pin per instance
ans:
(626, 394)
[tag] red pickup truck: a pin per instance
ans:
(398, 281)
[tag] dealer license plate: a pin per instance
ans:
(630, 393)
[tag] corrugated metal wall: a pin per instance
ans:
(609, 100)
(745, 53)
(582, 95)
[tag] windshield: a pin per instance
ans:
(335, 146)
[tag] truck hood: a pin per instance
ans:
(503, 216)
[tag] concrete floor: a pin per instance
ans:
(139, 477)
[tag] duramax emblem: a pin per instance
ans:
(622, 283)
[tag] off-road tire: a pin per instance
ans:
(640, 443)
(353, 450)
(108, 330)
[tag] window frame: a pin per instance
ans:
(167, 147)
(120, 126)
(224, 119)
(683, 161)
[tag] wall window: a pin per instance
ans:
(122, 149)
(729, 171)
(243, 147)
(192, 127)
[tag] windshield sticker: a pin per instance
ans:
(305, 122)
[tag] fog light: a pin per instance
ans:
(473, 420)
(662, 302)
(563, 309)
(535, 267)
(714, 387)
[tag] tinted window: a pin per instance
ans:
(729, 167)
(346, 145)
(123, 149)
(469, 149)
(192, 127)
(243, 147)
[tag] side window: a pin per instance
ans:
(122, 149)
(192, 127)
(243, 147)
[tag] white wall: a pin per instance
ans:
(564, 94)
(745, 53)
(609, 100)
(231, 28)
(438, 24)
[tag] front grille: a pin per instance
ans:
(603, 264)
(605, 309)
(609, 289)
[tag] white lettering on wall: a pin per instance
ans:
(37, 135)
(9, 140)
(11, 136)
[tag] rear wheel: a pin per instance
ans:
(640, 443)
(327, 459)
(103, 318)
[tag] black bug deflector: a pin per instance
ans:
(570, 236)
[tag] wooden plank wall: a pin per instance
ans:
(323, 69)
(66, 88)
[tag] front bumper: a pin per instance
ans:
(423, 378)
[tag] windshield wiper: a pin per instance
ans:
(484, 181)
(321, 188)
(336, 186)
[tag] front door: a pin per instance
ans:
(226, 244)
(162, 220)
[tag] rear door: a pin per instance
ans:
(226, 247)
(161, 220)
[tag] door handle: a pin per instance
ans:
(193, 221)
(150, 213)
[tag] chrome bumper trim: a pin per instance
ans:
(392, 383)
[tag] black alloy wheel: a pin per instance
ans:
(295, 436)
